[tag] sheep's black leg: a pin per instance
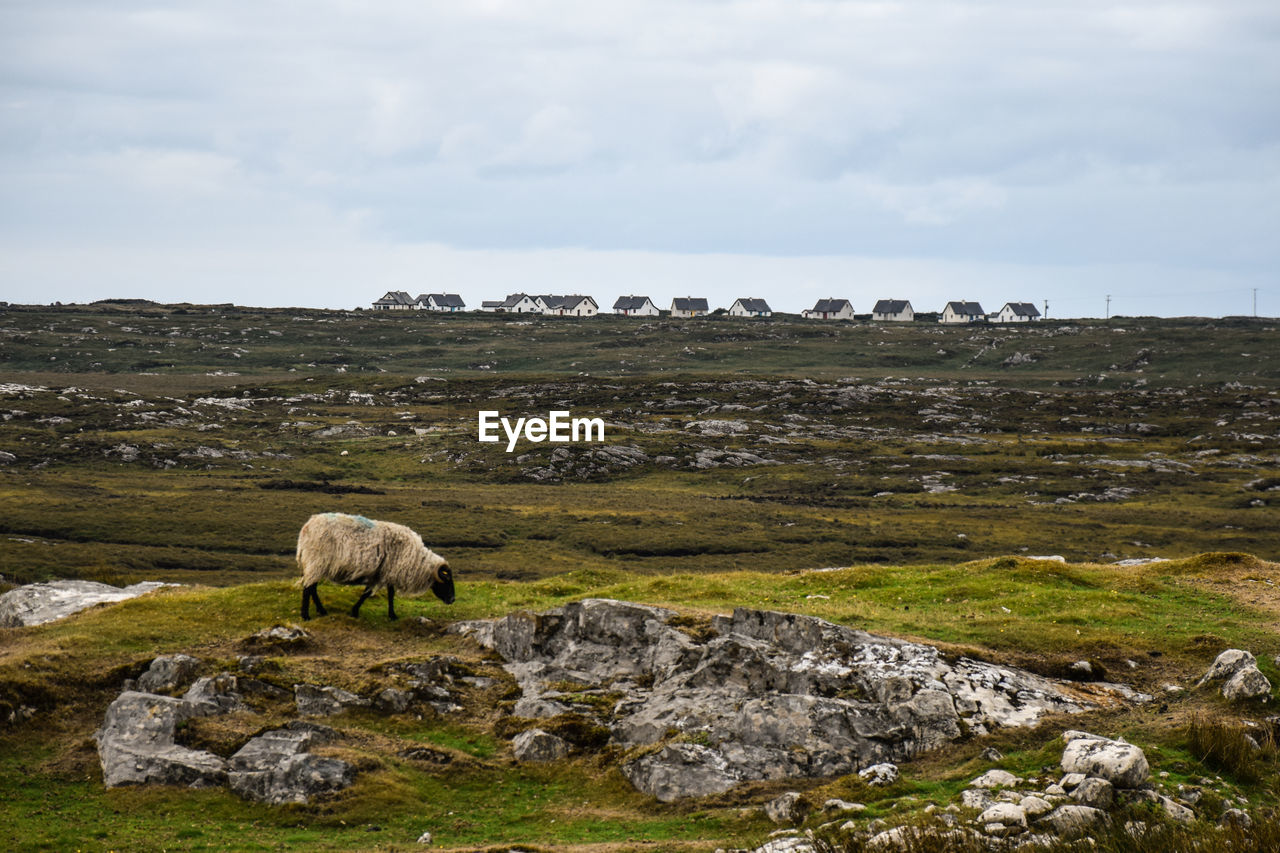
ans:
(391, 602)
(355, 610)
(309, 594)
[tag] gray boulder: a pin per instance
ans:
(220, 693)
(38, 603)
(1074, 821)
(537, 745)
(769, 695)
(1247, 683)
(168, 672)
(1094, 792)
(316, 701)
(879, 775)
(276, 767)
(1226, 665)
(136, 744)
(786, 809)
(682, 770)
(1122, 764)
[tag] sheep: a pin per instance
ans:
(354, 550)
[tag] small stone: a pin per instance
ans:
(879, 775)
(1176, 811)
(991, 754)
(538, 745)
(1094, 792)
(1074, 821)
(1081, 669)
(1033, 806)
(995, 779)
(1237, 818)
(168, 672)
(834, 806)
(1071, 780)
(787, 809)
(424, 838)
(1005, 814)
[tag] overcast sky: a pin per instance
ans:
(320, 153)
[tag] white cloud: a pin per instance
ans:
(1137, 134)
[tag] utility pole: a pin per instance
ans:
(1046, 309)
(1108, 306)
(1255, 302)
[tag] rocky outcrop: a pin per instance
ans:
(768, 696)
(137, 742)
(1237, 671)
(38, 603)
(277, 767)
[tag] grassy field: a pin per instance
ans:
(189, 443)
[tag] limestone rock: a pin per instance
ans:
(681, 770)
(276, 767)
(136, 744)
(219, 693)
(1074, 821)
(836, 806)
(537, 745)
(38, 603)
(1248, 682)
(772, 695)
(1094, 792)
(168, 672)
(786, 809)
(995, 779)
(1123, 765)
(1226, 665)
(1005, 815)
(879, 775)
(316, 701)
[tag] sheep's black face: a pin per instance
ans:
(443, 585)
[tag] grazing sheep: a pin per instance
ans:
(354, 550)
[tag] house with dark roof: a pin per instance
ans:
(547, 303)
(518, 303)
(962, 312)
(893, 310)
(441, 302)
(635, 306)
(830, 309)
(575, 306)
(395, 300)
(750, 308)
(688, 306)
(491, 305)
(1016, 312)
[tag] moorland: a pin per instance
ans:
(927, 464)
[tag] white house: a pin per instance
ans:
(688, 306)
(518, 303)
(395, 300)
(441, 302)
(893, 310)
(491, 305)
(830, 309)
(547, 303)
(750, 308)
(635, 306)
(962, 312)
(575, 306)
(1016, 312)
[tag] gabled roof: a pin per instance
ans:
(492, 303)
(971, 308)
(395, 297)
(513, 300)
(447, 300)
(630, 303)
(689, 303)
(550, 301)
(568, 303)
(891, 306)
(830, 306)
(755, 305)
(1022, 309)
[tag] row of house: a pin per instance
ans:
(900, 310)
(577, 305)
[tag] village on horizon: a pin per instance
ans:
(577, 305)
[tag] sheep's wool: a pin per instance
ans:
(353, 549)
